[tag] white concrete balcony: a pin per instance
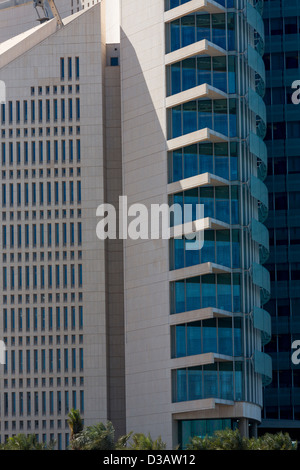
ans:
(205, 6)
(207, 223)
(202, 135)
(199, 360)
(201, 91)
(205, 179)
(201, 314)
(198, 270)
(217, 408)
(203, 47)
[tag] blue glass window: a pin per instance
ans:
(62, 68)
(189, 118)
(225, 336)
(223, 247)
(63, 109)
(57, 316)
(216, 248)
(236, 293)
(55, 112)
(222, 203)
(210, 381)
(195, 383)
(174, 72)
(226, 381)
(217, 290)
(214, 335)
(237, 336)
(181, 385)
(193, 293)
(169, 4)
(187, 30)
(47, 110)
(209, 332)
(25, 111)
(32, 110)
(238, 375)
(207, 252)
(80, 317)
(218, 28)
(48, 151)
(174, 3)
(70, 68)
(208, 291)
(193, 338)
(224, 292)
(218, 115)
(219, 72)
(77, 68)
(178, 341)
(217, 204)
(190, 161)
(40, 108)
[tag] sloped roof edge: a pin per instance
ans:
(22, 43)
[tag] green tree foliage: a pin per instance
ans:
(99, 437)
(232, 440)
(75, 423)
(142, 442)
(279, 441)
(23, 442)
(102, 437)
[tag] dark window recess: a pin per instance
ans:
(114, 61)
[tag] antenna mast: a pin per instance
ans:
(40, 6)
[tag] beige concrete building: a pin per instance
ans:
(61, 288)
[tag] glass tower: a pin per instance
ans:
(282, 396)
(216, 122)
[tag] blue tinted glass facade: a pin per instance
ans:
(202, 428)
(282, 28)
(216, 123)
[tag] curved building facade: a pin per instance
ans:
(216, 122)
(212, 126)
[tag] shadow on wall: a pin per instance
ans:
(146, 264)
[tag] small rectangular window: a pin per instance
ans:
(70, 68)
(114, 61)
(62, 68)
(77, 68)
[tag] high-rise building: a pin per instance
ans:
(282, 396)
(161, 103)
(61, 290)
(193, 123)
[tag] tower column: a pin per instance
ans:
(243, 427)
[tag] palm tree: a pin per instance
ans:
(97, 437)
(142, 442)
(23, 442)
(75, 423)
